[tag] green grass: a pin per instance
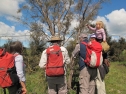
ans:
(115, 81)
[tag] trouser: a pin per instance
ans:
(14, 89)
(100, 84)
(86, 86)
(57, 85)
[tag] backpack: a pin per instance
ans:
(55, 65)
(93, 54)
(8, 75)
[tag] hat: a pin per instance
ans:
(55, 38)
(93, 35)
(83, 35)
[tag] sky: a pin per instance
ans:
(113, 14)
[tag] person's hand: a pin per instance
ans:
(104, 41)
(87, 25)
(106, 61)
(24, 90)
(44, 67)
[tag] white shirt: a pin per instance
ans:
(19, 64)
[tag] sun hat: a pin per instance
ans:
(83, 36)
(55, 38)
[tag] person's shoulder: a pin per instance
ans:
(18, 56)
(63, 48)
(102, 29)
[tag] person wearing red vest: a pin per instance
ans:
(54, 60)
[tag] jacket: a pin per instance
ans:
(80, 50)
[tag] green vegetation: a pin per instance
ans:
(115, 81)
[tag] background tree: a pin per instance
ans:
(117, 47)
(37, 45)
(55, 16)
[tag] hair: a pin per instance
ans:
(16, 47)
(101, 24)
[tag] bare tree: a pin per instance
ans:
(55, 16)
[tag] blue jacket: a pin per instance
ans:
(82, 54)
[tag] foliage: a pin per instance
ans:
(6, 45)
(117, 49)
(37, 45)
(114, 81)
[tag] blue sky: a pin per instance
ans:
(113, 14)
(111, 6)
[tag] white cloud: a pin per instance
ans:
(115, 22)
(9, 32)
(74, 23)
(10, 7)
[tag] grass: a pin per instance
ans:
(114, 80)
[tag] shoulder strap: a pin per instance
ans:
(2, 52)
(15, 54)
(84, 43)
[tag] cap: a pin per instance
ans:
(55, 38)
(93, 35)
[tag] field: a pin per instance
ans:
(114, 80)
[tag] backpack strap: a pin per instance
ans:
(84, 43)
(15, 54)
(2, 52)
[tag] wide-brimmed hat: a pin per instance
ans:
(55, 38)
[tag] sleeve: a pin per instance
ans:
(43, 59)
(19, 64)
(76, 50)
(104, 35)
(91, 28)
(66, 57)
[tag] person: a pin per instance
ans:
(99, 80)
(87, 75)
(16, 49)
(56, 84)
(101, 38)
(99, 31)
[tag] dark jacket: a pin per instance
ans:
(82, 54)
(82, 64)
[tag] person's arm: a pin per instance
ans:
(76, 51)
(67, 58)
(91, 28)
(103, 34)
(24, 90)
(43, 60)
(19, 64)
